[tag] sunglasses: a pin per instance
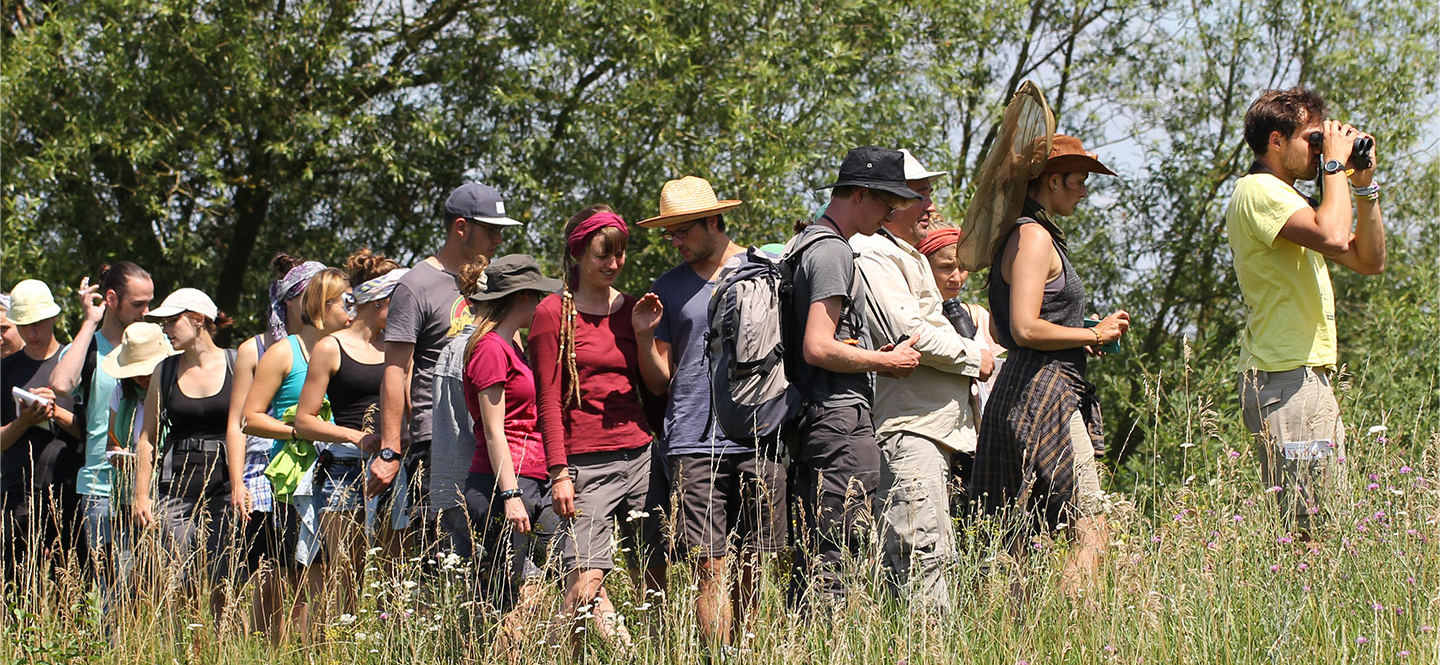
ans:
(492, 229)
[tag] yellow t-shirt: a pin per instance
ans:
(1286, 286)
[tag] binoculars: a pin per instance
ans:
(1359, 154)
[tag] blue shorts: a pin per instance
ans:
(342, 485)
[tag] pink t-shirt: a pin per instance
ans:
(497, 362)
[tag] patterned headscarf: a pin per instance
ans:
(285, 288)
(376, 289)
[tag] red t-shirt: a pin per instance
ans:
(608, 416)
(496, 361)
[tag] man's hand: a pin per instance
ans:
(30, 414)
(646, 315)
(92, 303)
(987, 364)
(1339, 141)
(899, 359)
(1364, 178)
(382, 474)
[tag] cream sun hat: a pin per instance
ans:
(686, 199)
(31, 302)
(143, 346)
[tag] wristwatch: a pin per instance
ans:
(1333, 166)
(389, 455)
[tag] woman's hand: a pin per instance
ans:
(647, 313)
(240, 502)
(562, 496)
(31, 414)
(516, 515)
(1113, 327)
(142, 511)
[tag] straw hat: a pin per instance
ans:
(686, 199)
(143, 346)
(31, 302)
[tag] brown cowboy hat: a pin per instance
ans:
(686, 199)
(1068, 156)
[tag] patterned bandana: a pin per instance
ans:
(285, 288)
(376, 289)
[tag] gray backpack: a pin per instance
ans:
(750, 395)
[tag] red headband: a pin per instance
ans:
(577, 240)
(938, 239)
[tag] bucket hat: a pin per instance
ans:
(914, 171)
(31, 302)
(511, 273)
(688, 198)
(142, 347)
(874, 167)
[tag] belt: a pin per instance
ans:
(198, 445)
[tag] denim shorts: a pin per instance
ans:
(342, 485)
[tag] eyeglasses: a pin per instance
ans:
(679, 234)
(493, 230)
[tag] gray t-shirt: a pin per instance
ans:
(689, 425)
(827, 269)
(426, 310)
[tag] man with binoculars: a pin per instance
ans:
(1281, 239)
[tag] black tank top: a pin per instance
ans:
(1065, 308)
(202, 418)
(353, 389)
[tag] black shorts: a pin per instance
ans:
(719, 497)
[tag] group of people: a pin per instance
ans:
(474, 406)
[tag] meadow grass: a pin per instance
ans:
(1199, 571)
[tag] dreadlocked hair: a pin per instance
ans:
(615, 241)
(470, 275)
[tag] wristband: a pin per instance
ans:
(1370, 192)
(565, 477)
(506, 495)
(1098, 339)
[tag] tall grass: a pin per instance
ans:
(1200, 570)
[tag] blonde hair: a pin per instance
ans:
(325, 286)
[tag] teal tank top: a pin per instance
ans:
(288, 394)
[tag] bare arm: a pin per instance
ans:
(821, 349)
(269, 374)
(1027, 260)
(235, 458)
(1327, 230)
(492, 417)
(66, 375)
(145, 447)
(655, 368)
(394, 397)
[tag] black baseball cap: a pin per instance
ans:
(478, 202)
(874, 167)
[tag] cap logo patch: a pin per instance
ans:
(500, 207)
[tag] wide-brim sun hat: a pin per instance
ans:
(688, 198)
(186, 300)
(31, 302)
(511, 273)
(1019, 153)
(1068, 156)
(143, 346)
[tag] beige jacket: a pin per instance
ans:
(934, 401)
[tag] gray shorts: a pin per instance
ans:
(609, 486)
(1299, 437)
(720, 496)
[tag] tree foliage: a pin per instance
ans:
(198, 137)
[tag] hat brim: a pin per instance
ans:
(926, 175)
(545, 285)
(899, 190)
(163, 312)
(24, 318)
(667, 220)
(1075, 164)
(111, 365)
(497, 221)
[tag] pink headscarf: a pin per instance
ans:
(938, 239)
(578, 239)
